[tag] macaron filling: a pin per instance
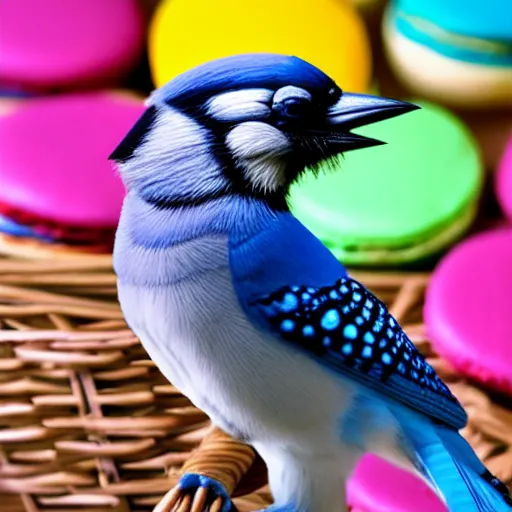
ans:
(12, 92)
(16, 222)
(490, 52)
(12, 228)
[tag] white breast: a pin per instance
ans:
(249, 383)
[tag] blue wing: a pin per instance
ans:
(351, 331)
(341, 324)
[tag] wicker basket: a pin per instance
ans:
(88, 422)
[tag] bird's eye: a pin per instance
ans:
(294, 108)
(291, 104)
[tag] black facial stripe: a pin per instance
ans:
(276, 202)
(240, 185)
(167, 203)
(218, 132)
(135, 136)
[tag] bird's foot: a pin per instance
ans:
(196, 493)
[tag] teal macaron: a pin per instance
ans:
(399, 203)
(458, 50)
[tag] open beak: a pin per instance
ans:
(355, 110)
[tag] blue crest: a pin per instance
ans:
(262, 70)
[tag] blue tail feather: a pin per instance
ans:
(453, 468)
(489, 494)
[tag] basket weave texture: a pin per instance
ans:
(88, 422)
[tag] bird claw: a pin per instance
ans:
(196, 493)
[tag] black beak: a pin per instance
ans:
(355, 110)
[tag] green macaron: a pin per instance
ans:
(401, 202)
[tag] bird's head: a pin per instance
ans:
(243, 125)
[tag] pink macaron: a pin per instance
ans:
(56, 44)
(378, 486)
(504, 180)
(468, 308)
(54, 168)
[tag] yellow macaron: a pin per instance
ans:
(327, 33)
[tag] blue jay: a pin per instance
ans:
(249, 315)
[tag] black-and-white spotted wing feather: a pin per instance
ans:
(351, 331)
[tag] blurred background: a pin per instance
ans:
(73, 77)
(451, 54)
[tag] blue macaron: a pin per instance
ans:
(458, 51)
